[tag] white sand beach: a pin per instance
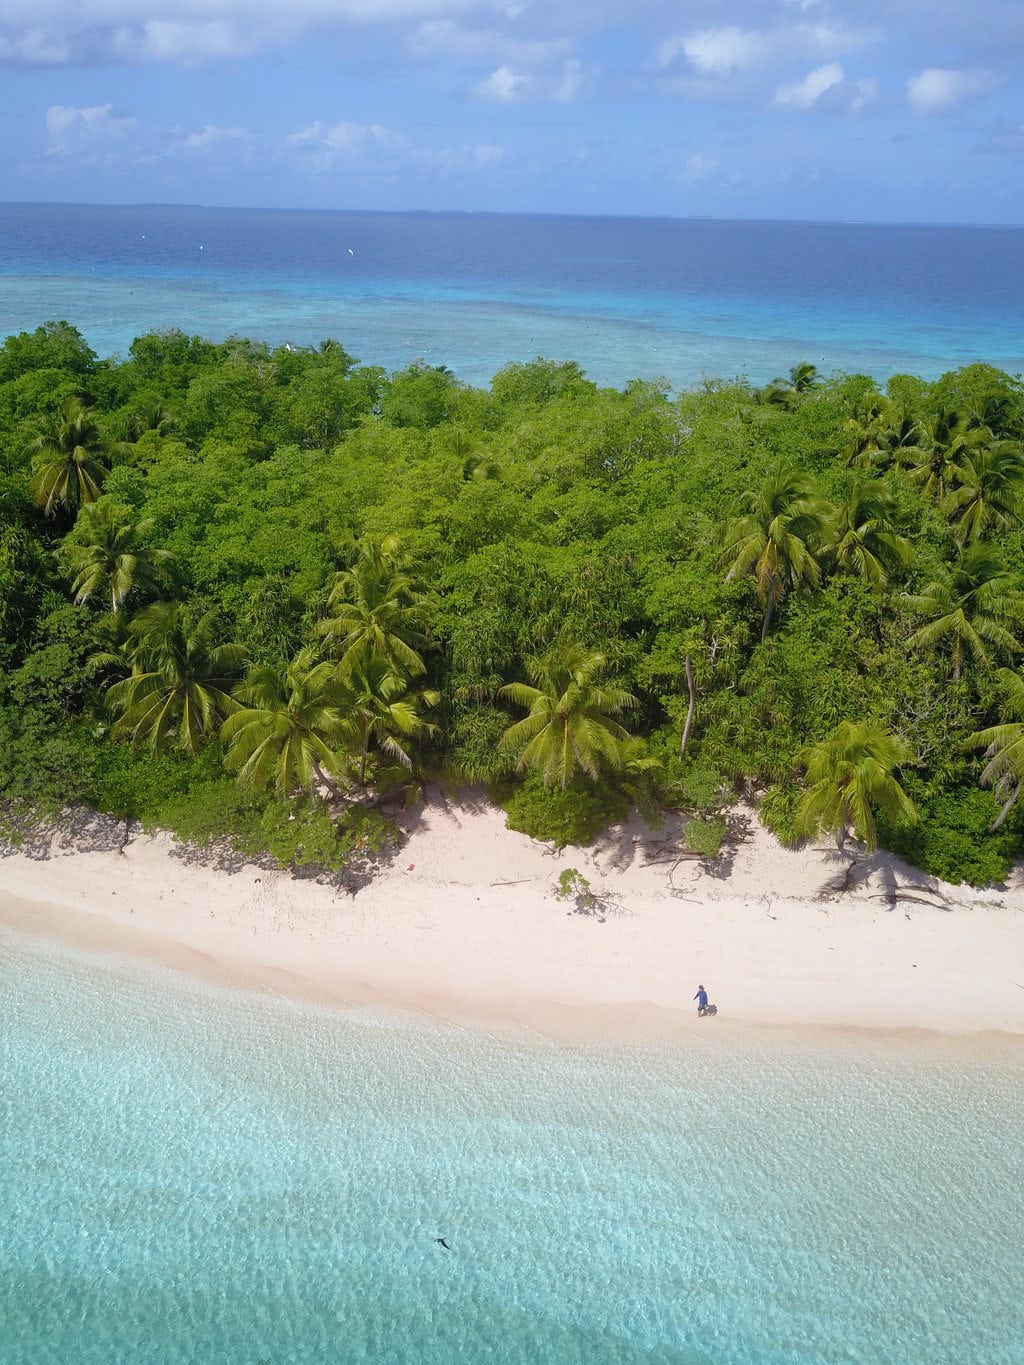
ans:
(465, 922)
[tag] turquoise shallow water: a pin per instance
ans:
(687, 300)
(194, 1174)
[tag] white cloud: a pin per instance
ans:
(936, 89)
(723, 52)
(806, 93)
(347, 140)
(163, 41)
(83, 132)
(700, 167)
(865, 92)
(562, 85)
(325, 149)
(34, 47)
(208, 137)
(570, 84)
(505, 85)
(717, 52)
(91, 32)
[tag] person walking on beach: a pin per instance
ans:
(702, 1000)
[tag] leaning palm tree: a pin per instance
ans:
(569, 729)
(867, 543)
(849, 777)
(777, 540)
(991, 492)
(108, 556)
(1004, 747)
(179, 689)
(973, 606)
(288, 726)
(381, 712)
(68, 469)
(379, 610)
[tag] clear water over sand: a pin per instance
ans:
(189, 1173)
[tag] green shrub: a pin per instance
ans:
(952, 841)
(705, 835)
(576, 815)
(572, 885)
(299, 835)
(777, 812)
(45, 766)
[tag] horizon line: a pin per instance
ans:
(506, 213)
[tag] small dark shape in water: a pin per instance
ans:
(441, 1242)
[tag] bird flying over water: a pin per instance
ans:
(441, 1242)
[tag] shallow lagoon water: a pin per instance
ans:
(188, 1172)
(628, 298)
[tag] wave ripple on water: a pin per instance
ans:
(187, 1173)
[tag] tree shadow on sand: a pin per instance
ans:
(854, 870)
(76, 830)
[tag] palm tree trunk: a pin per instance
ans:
(324, 780)
(1007, 808)
(689, 710)
(766, 623)
(362, 759)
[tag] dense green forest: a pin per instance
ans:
(254, 594)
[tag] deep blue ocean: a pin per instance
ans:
(627, 298)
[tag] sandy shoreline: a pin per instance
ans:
(465, 923)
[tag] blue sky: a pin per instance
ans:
(909, 110)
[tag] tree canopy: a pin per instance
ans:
(259, 588)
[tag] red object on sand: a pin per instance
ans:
(410, 867)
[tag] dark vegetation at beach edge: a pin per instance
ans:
(260, 597)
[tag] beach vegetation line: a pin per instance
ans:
(260, 596)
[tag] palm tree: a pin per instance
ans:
(867, 543)
(946, 444)
(180, 685)
(152, 415)
(777, 540)
(991, 493)
(804, 377)
(379, 610)
(849, 776)
(881, 434)
(1004, 748)
(785, 392)
(380, 710)
(862, 425)
(974, 605)
(67, 466)
(107, 554)
(569, 728)
(288, 726)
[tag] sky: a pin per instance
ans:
(877, 110)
